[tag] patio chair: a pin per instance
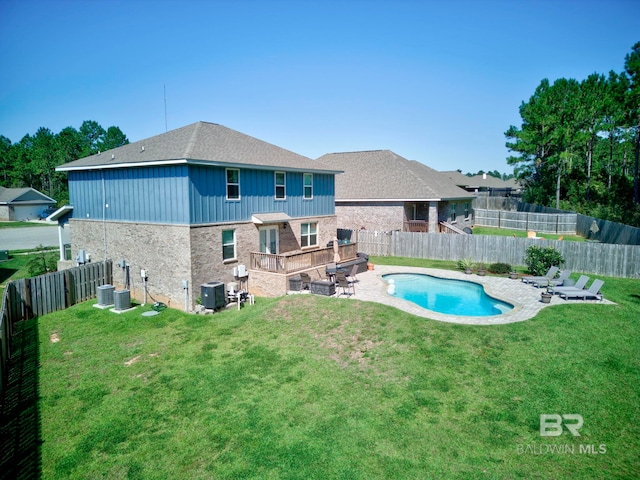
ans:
(549, 275)
(564, 275)
(580, 284)
(306, 280)
(352, 274)
(342, 282)
(593, 292)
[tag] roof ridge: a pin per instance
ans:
(358, 151)
(192, 140)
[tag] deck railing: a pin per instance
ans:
(298, 261)
(419, 226)
(448, 228)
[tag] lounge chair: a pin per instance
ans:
(592, 292)
(580, 284)
(347, 286)
(564, 275)
(306, 280)
(550, 274)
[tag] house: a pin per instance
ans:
(485, 184)
(19, 204)
(199, 204)
(383, 191)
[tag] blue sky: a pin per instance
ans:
(434, 81)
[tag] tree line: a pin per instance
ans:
(579, 144)
(31, 162)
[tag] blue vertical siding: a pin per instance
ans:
(141, 194)
(182, 194)
(257, 195)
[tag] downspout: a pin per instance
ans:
(104, 215)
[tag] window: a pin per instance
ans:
(281, 192)
(228, 245)
(308, 185)
(309, 235)
(453, 212)
(466, 210)
(233, 184)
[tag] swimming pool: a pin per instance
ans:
(443, 295)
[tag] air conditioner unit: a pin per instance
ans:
(121, 300)
(213, 295)
(105, 295)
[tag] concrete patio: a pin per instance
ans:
(525, 298)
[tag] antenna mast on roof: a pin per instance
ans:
(165, 107)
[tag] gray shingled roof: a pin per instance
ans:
(459, 179)
(200, 142)
(384, 175)
(488, 181)
(23, 196)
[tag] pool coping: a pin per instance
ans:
(525, 298)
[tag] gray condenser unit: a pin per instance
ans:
(121, 300)
(105, 295)
(213, 295)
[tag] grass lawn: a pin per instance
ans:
(313, 387)
(25, 224)
(478, 230)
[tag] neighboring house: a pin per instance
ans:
(484, 184)
(19, 204)
(195, 203)
(383, 191)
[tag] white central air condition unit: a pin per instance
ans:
(213, 295)
(121, 300)
(105, 295)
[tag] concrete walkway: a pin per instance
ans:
(525, 298)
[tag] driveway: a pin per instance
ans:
(31, 237)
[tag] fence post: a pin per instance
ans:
(28, 311)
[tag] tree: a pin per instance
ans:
(632, 67)
(32, 161)
(590, 118)
(544, 143)
(5, 159)
(613, 118)
(113, 138)
(92, 134)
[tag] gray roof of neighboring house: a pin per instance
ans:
(478, 181)
(199, 143)
(458, 178)
(488, 181)
(23, 196)
(384, 175)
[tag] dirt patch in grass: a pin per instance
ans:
(54, 338)
(128, 363)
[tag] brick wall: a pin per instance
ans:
(162, 250)
(172, 253)
(373, 217)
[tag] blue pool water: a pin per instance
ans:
(453, 297)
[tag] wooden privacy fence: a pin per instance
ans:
(586, 257)
(32, 297)
(560, 223)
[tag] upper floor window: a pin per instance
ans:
(281, 179)
(308, 185)
(228, 245)
(233, 184)
(309, 235)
